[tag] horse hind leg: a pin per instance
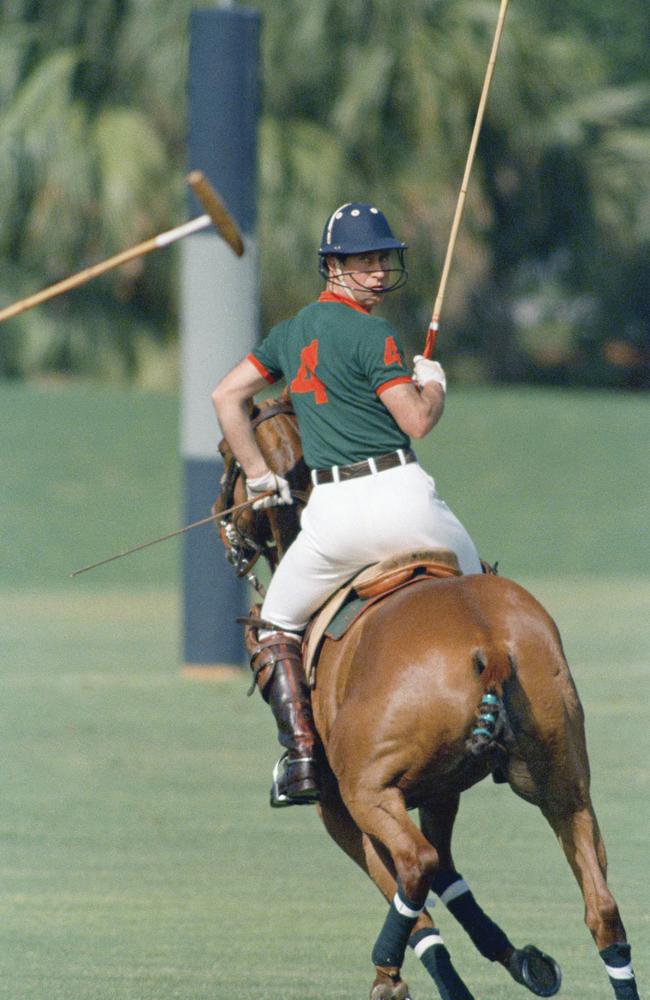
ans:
(425, 939)
(452, 889)
(580, 838)
(381, 814)
(556, 758)
(415, 856)
(529, 966)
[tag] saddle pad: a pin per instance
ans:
(355, 606)
(374, 582)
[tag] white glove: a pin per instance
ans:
(269, 481)
(425, 370)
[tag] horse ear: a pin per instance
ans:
(285, 395)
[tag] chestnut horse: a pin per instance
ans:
(396, 701)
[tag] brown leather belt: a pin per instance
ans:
(369, 466)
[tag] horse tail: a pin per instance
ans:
(493, 670)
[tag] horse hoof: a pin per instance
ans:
(389, 988)
(384, 992)
(536, 971)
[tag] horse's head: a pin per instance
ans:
(248, 534)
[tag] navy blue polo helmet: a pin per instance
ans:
(357, 227)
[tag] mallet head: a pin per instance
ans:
(223, 221)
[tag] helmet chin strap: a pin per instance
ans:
(340, 283)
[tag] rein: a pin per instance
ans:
(277, 407)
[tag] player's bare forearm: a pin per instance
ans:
(230, 399)
(415, 411)
(432, 404)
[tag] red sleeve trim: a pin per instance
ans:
(391, 382)
(261, 369)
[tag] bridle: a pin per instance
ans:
(245, 539)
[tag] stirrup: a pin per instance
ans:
(279, 798)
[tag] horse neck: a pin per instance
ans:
(279, 441)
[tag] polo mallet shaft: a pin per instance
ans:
(432, 332)
(216, 215)
(173, 534)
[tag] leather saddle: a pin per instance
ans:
(370, 585)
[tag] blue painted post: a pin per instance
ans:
(219, 313)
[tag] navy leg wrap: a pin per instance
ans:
(618, 962)
(391, 944)
(454, 892)
(429, 948)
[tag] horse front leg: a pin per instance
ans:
(582, 843)
(528, 966)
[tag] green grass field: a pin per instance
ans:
(139, 858)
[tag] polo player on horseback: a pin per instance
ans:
(357, 407)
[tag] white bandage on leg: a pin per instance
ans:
(427, 942)
(621, 971)
(403, 909)
(456, 889)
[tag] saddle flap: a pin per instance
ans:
(393, 572)
(370, 584)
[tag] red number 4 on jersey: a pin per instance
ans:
(306, 379)
(391, 353)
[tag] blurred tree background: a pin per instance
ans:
(362, 99)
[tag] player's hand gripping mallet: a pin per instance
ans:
(432, 332)
(216, 215)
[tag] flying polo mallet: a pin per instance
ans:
(173, 534)
(432, 332)
(216, 215)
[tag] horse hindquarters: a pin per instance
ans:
(396, 699)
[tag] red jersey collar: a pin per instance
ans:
(333, 297)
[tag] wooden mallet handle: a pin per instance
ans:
(432, 332)
(217, 215)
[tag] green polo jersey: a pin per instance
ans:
(337, 360)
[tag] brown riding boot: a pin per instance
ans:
(276, 662)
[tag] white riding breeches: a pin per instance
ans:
(351, 524)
